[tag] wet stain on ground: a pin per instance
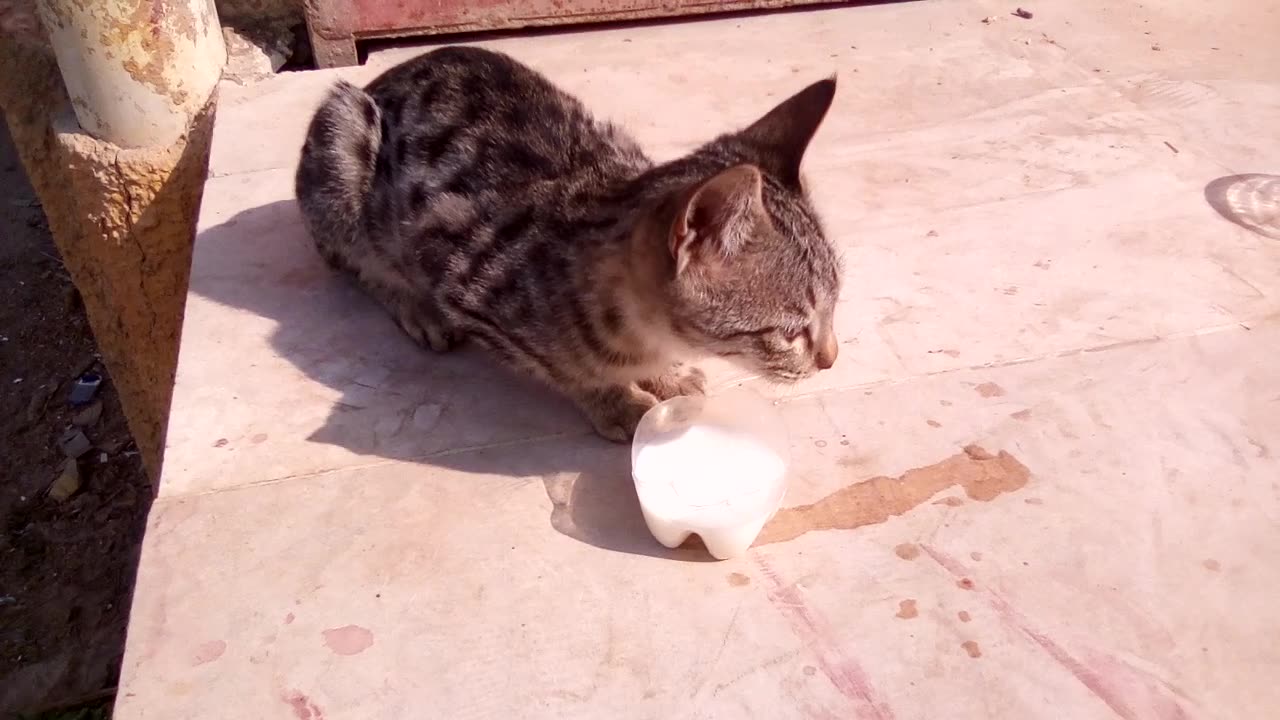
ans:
(950, 500)
(982, 475)
(907, 551)
(907, 609)
(975, 555)
(738, 580)
(208, 652)
(933, 423)
(989, 389)
(348, 640)
(964, 584)
(303, 708)
(964, 616)
(1021, 415)
(972, 648)
(1212, 565)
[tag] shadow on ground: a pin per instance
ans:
(401, 402)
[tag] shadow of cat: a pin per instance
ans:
(459, 410)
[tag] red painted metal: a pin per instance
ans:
(335, 25)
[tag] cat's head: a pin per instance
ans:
(755, 279)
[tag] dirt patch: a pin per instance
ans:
(989, 389)
(66, 568)
(907, 551)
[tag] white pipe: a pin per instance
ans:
(137, 71)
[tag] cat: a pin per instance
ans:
(475, 200)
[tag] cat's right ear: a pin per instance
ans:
(785, 132)
(715, 217)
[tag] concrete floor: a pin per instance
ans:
(1055, 251)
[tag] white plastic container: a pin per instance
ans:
(714, 467)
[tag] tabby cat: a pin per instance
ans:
(473, 199)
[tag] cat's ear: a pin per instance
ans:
(783, 134)
(716, 216)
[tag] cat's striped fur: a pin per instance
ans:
(474, 199)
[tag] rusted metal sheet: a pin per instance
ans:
(335, 25)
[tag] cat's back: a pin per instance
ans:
(469, 121)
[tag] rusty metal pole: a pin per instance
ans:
(120, 170)
(137, 71)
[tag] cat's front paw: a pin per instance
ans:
(428, 332)
(615, 412)
(679, 380)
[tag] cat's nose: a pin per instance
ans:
(826, 350)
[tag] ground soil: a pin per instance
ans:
(66, 568)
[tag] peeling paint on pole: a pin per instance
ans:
(136, 70)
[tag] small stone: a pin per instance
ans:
(89, 415)
(988, 20)
(1156, 47)
(102, 457)
(1024, 14)
(68, 482)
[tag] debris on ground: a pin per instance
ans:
(74, 443)
(1156, 47)
(89, 415)
(66, 568)
(1024, 14)
(256, 56)
(35, 405)
(1171, 147)
(85, 389)
(67, 483)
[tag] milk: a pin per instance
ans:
(714, 467)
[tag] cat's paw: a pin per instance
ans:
(443, 340)
(680, 380)
(615, 412)
(427, 333)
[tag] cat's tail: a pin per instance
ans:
(335, 175)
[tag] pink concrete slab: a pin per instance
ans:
(1081, 578)
(1054, 250)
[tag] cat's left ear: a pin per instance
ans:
(716, 217)
(783, 134)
